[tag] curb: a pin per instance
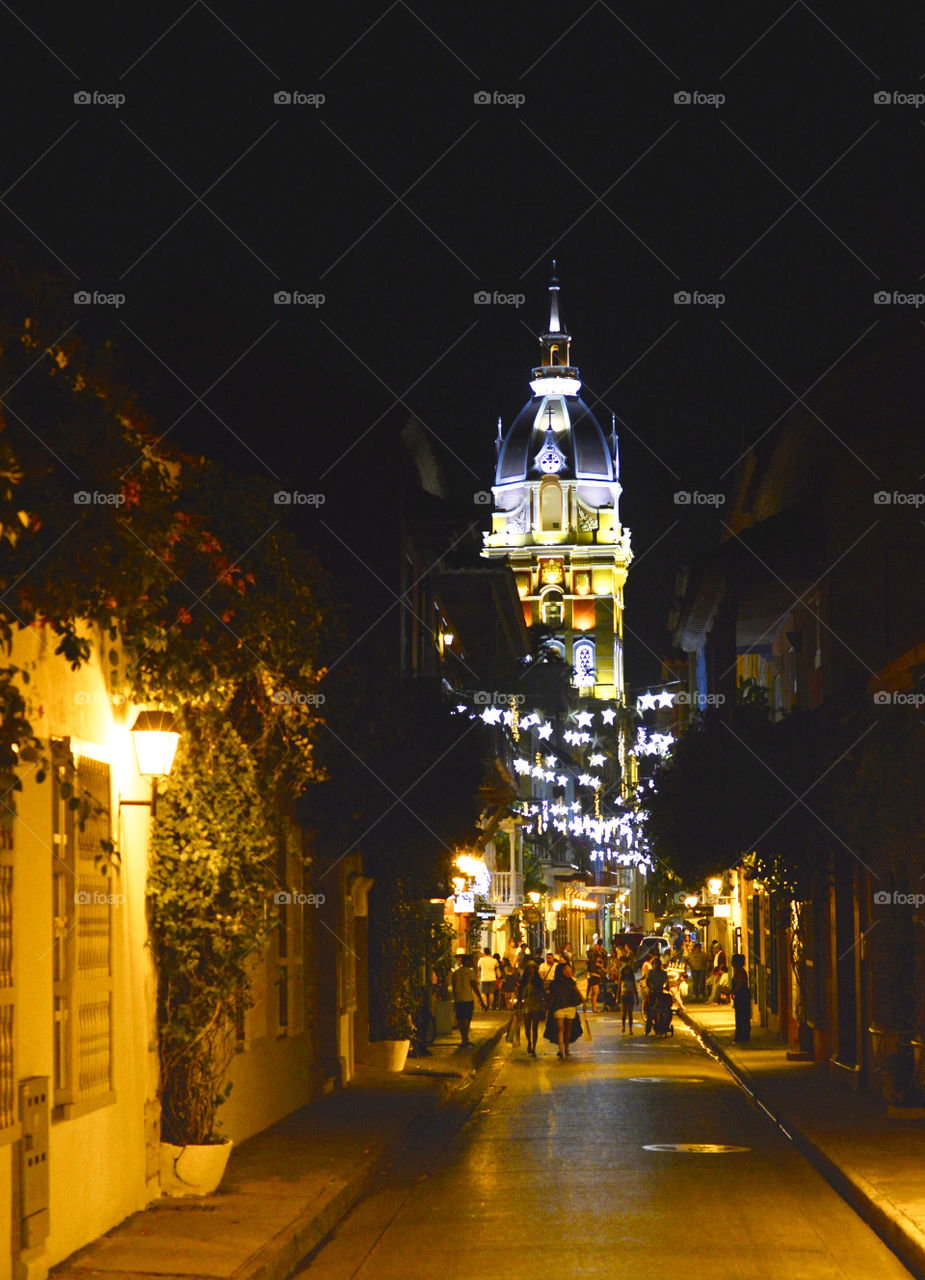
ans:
(883, 1217)
(279, 1257)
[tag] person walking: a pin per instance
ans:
(564, 998)
(697, 963)
(656, 982)
(596, 957)
(488, 976)
(741, 1000)
(628, 993)
(531, 999)
(547, 969)
(465, 990)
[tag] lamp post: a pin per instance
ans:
(155, 740)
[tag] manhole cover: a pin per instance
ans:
(694, 1148)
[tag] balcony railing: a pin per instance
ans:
(505, 889)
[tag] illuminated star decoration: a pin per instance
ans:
(646, 702)
(491, 715)
(563, 782)
(664, 699)
(583, 719)
(608, 716)
(544, 731)
(597, 760)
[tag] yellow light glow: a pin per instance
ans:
(584, 904)
(468, 865)
(448, 637)
(691, 900)
(533, 896)
(715, 885)
(557, 904)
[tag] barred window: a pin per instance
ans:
(84, 904)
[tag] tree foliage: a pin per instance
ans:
(198, 600)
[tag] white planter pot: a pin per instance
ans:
(444, 1017)
(388, 1055)
(193, 1170)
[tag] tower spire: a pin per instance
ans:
(555, 373)
(554, 322)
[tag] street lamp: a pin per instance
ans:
(155, 740)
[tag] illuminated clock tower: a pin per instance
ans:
(556, 519)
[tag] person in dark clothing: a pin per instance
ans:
(531, 999)
(656, 982)
(741, 1000)
(564, 998)
(628, 992)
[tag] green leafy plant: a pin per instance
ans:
(210, 906)
(397, 949)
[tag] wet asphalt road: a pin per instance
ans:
(550, 1177)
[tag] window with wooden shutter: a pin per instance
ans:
(84, 904)
(8, 1111)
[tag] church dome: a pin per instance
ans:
(555, 433)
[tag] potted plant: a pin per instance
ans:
(396, 964)
(209, 900)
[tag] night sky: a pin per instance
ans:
(400, 197)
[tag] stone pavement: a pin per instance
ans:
(288, 1187)
(876, 1162)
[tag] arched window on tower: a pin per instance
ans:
(551, 505)
(551, 608)
(583, 657)
(554, 354)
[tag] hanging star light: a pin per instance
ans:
(583, 719)
(597, 760)
(521, 765)
(529, 720)
(608, 715)
(646, 702)
(549, 777)
(562, 781)
(665, 699)
(544, 731)
(550, 761)
(584, 779)
(491, 715)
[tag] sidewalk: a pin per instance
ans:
(876, 1163)
(288, 1187)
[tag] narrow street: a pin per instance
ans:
(553, 1176)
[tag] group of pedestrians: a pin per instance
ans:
(533, 990)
